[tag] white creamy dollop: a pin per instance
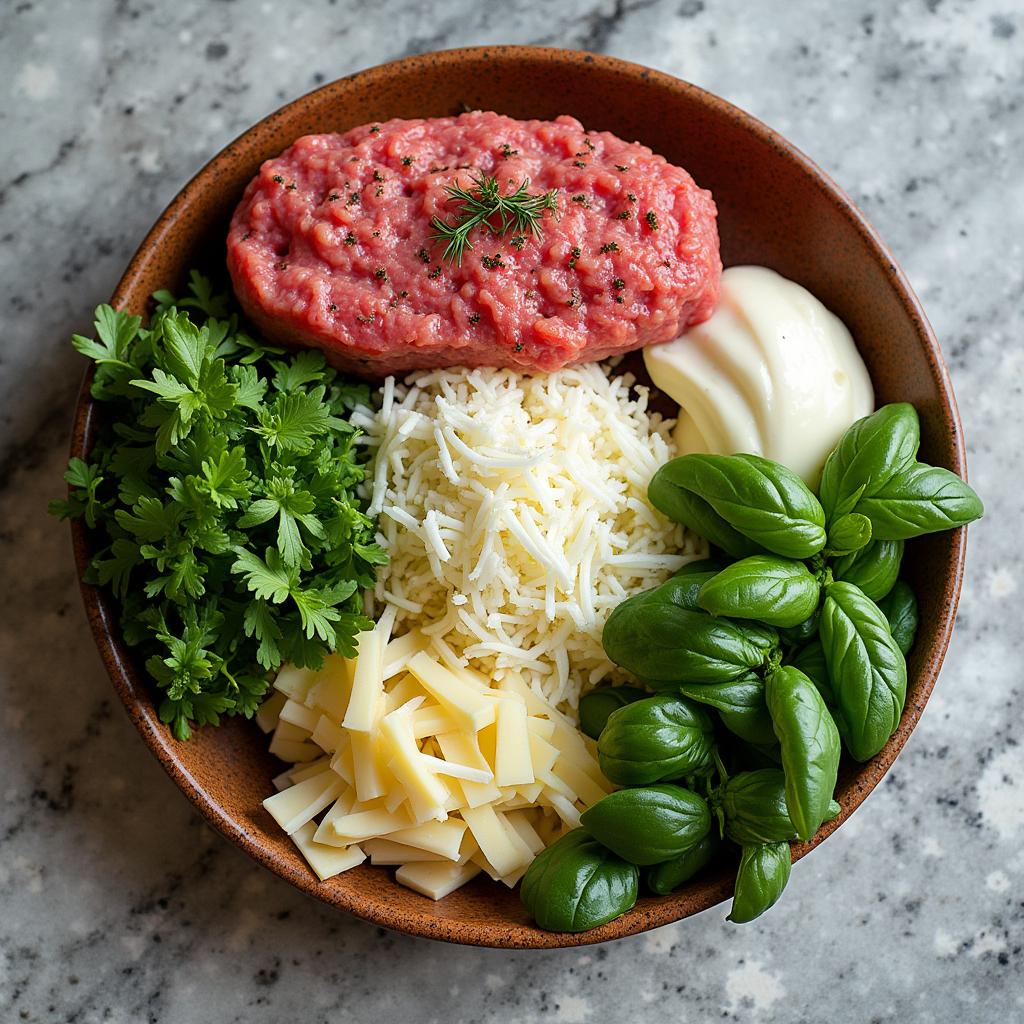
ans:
(772, 372)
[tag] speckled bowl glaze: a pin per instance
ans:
(776, 208)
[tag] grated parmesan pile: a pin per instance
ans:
(514, 512)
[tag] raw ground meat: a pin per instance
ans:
(331, 247)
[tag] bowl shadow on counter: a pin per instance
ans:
(776, 209)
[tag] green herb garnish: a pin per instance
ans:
(222, 491)
(484, 206)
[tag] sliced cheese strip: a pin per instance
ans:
(300, 715)
(542, 727)
(384, 851)
(326, 861)
(439, 766)
(268, 712)
(495, 839)
(465, 704)
(432, 720)
(527, 832)
(289, 731)
(580, 782)
(333, 687)
(293, 807)
(463, 749)
(426, 792)
(283, 781)
(530, 793)
(294, 750)
(370, 824)
(400, 650)
(552, 781)
(406, 688)
(367, 684)
(372, 777)
(566, 811)
(396, 797)
(343, 805)
(446, 838)
(327, 735)
(342, 762)
(295, 682)
(513, 877)
(542, 754)
(513, 764)
(435, 880)
(301, 772)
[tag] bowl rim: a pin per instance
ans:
(102, 611)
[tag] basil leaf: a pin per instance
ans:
(917, 500)
(740, 704)
(848, 533)
(777, 591)
(662, 737)
(760, 499)
(810, 747)
(802, 631)
(866, 668)
(684, 506)
(701, 565)
(874, 449)
(900, 609)
(648, 825)
(762, 876)
(576, 884)
(873, 569)
(834, 810)
(755, 807)
(596, 706)
(663, 878)
(662, 644)
(810, 659)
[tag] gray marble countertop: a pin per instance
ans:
(118, 903)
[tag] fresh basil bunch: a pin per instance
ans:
(770, 664)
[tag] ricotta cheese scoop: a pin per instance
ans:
(772, 372)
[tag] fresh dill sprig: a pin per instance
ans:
(484, 206)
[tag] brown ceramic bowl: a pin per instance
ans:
(776, 208)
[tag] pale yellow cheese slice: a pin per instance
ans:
(326, 861)
(465, 704)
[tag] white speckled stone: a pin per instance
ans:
(117, 902)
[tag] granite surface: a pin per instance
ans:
(118, 903)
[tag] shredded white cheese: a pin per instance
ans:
(514, 513)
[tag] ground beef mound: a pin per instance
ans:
(331, 247)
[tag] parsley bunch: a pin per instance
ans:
(224, 477)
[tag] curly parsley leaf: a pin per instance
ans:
(224, 479)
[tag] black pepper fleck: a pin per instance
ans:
(618, 283)
(579, 163)
(492, 262)
(475, 318)
(610, 247)
(278, 179)
(435, 273)
(652, 220)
